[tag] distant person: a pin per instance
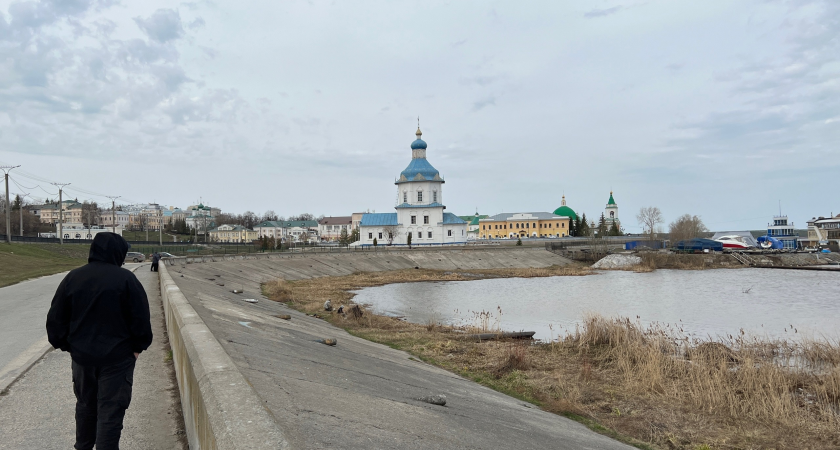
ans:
(155, 261)
(100, 315)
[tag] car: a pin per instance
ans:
(166, 255)
(135, 256)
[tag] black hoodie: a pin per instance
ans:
(100, 313)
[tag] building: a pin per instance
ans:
(78, 231)
(565, 211)
(472, 225)
(50, 214)
(419, 210)
(330, 228)
(523, 225)
(822, 232)
(611, 213)
(288, 230)
(784, 231)
(115, 218)
(357, 219)
(233, 233)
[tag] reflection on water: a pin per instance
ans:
(776, 303)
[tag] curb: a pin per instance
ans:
(221, 409)
(21, 364)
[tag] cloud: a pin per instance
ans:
(163, 25)
(483, 103)
(196, 24)
(602, 12)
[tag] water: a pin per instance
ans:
(763, 302)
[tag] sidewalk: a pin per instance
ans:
(38, 410)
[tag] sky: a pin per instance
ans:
(726, 110)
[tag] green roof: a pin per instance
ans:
(565, 211)
(611, 202)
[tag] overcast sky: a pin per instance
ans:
(715, 108)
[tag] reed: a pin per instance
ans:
(651, 384)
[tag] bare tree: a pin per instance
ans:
(686, 227)
(648, 218)
(269, 215)
(390, 232)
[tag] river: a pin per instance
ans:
(763, 302)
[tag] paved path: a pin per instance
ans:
(23, 313)
(37, 411)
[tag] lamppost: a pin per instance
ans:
(60, 212)
(113, 213)
(6, 170)
(21, 212)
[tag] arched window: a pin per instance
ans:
(434, 196)
(612, 214)
(405, 196)
(78, 235)
(419, 196)
(66, 236)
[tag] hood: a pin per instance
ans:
(109, 248)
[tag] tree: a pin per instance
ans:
(518, 241)
(409, 239)
(614, 230)
(344, 237)
(374, 242)
(390, 232)
(572, 225)
(269, 215)
(355, 235)
(648, 218)
(602, 226)
(686, 227)
(583, 226)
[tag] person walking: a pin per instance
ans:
(100, 315)
(155, 261)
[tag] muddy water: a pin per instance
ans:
(765, 302)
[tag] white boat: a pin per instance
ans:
(734, 242)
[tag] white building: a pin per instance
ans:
(610, 213)
(420, 209)
(289, 230)
(74, 231)
(330, 228)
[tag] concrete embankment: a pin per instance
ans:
(220, 409)
(356, 394)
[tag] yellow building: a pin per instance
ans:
(233, 233)
(515, 225)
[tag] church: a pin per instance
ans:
(419, 210)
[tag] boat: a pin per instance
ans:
(734, 242)
(770, 243)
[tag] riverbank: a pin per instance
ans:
(24, 261)
(650, 261)
(644, 383)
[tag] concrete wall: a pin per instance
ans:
(221, 410)
(263, 267)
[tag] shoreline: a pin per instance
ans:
(560, 377)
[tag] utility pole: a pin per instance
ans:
(60, 212)
(21, 212)
(6, 170)
(113, 213)
(160, 227)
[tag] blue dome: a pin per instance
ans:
(418, 144)
(419, 166)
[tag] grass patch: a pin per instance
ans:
(650, 387)
(24, 261)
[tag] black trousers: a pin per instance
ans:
(154, 267)
(103, 393)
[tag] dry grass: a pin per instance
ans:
(651, 384)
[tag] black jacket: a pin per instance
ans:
(100, 313)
